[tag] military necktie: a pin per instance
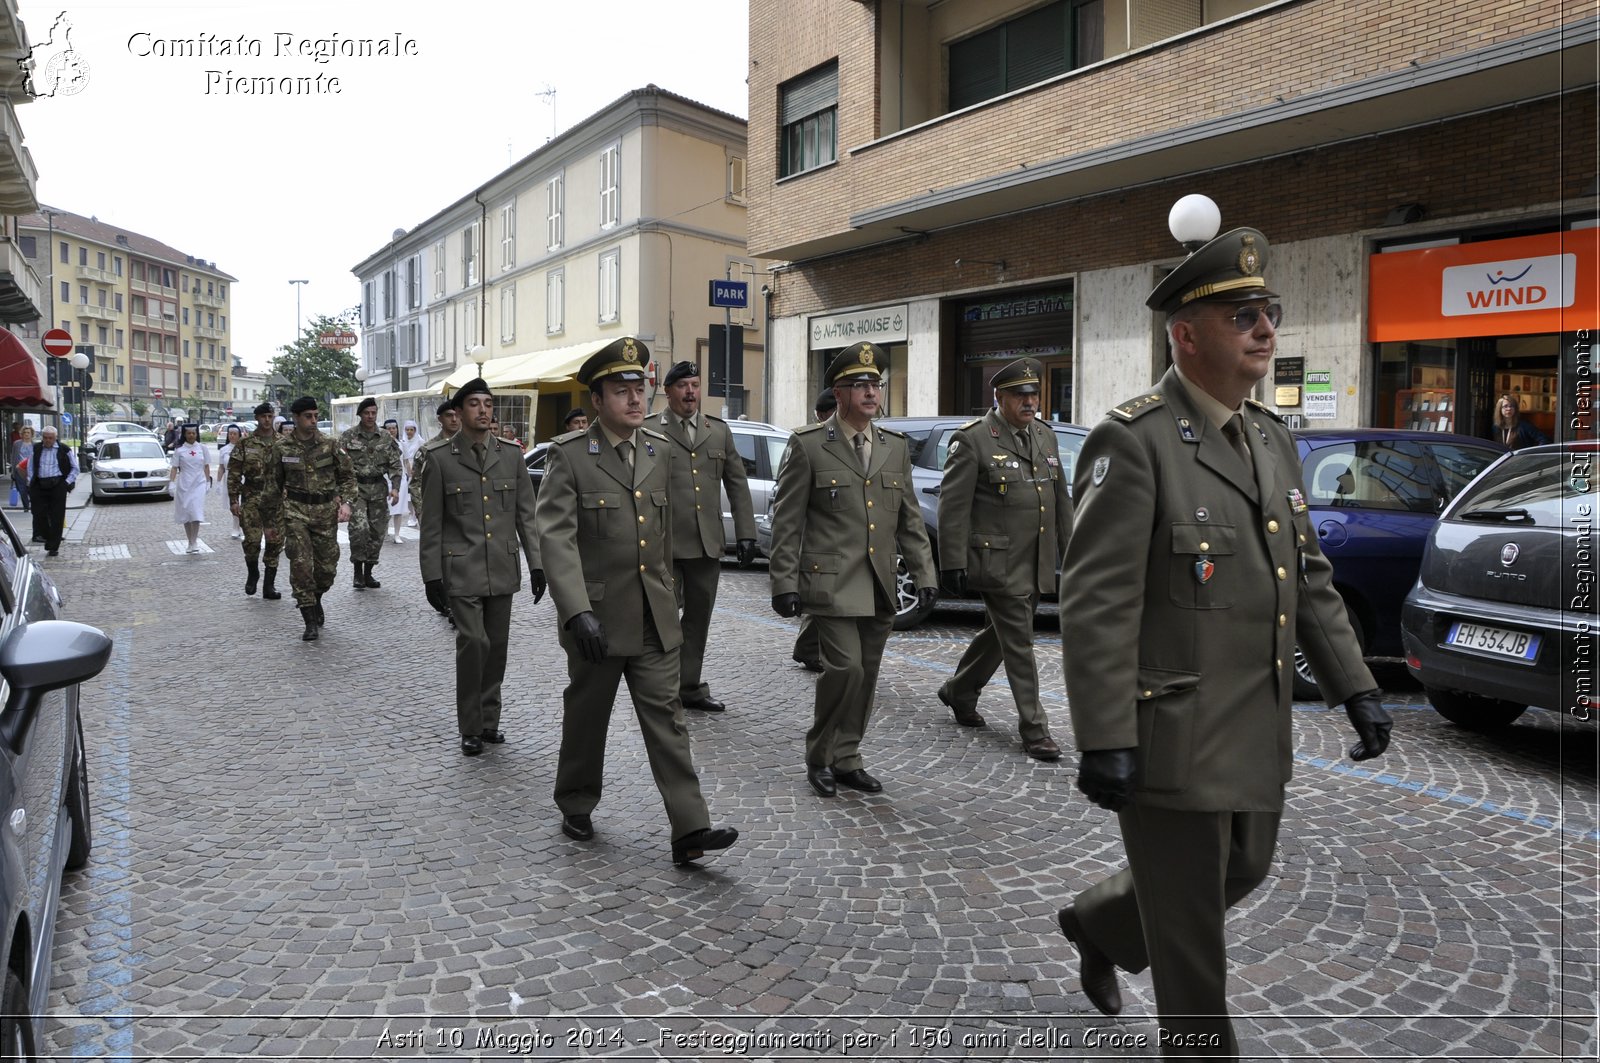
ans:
(688, 430)
(625, 452)
(1023, 444)
(862, 455)
(480, 452)
(1234, 430)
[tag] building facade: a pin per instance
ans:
(21, 293)
(616, 227)
(154, 318)
(972, 180)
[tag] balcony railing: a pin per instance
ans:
(99, 313)
(99, 276)
(215, 301)
(19, 178)
(207, 333)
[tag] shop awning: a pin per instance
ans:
(21, 375)
(530, 367)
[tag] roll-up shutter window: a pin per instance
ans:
(810, 93)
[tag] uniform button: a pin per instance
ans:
(694, 472)
(692, 454)
(1283, 620)
(486, 518)
(872, 527)
(486, 498)
(697, 487)
(602, 501)
(1279, 663)
(871, 550)
(813, 568)
(833, 482)
(641, 568)
(696, 506)
(1041, 509)
(986, 544)
(869, 483)
(1041, 528)
(484, 479)
(488, 535)
(1204, 547)
(641, 518)
(643, 543)
(1302, 540)
(869, 503)
(1272, 525)
(1282, 574)
(1148, 693)
(638, 494)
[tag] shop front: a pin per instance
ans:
(886, 326)
(1457, 326)
(1001, 327)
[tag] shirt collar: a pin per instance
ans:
(613, 439)
(1212, 410)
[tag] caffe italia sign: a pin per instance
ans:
(879, 324)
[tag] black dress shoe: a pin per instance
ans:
(858, 780)
(1041, 748)
(494, 738)
(471, 745)
(1095, 969)
(810, 664)
(965, 717)
(577, 826)
(705, 704)
(821, 780)
(696, 844)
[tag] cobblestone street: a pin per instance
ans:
(293, 860)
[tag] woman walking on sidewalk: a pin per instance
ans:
(219, 481)
(21, 459)
(191, 475)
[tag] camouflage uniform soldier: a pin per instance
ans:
(255, 500)
(313, 473)
(375, 459)
(449, 425)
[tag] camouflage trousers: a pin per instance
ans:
(369, 521)
(255, 530)
(311, 541)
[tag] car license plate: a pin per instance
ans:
(135, 483)
(1496, 641)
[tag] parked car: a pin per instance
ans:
(1502, 615)
(1375, 494)
(760, 447)
(108, 429)
(130, 467)
(44, 780)
(929, 443)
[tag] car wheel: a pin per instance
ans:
(78, 806)
(1305, 684)
(16, 1025)
(1473, 711)
(907, 614)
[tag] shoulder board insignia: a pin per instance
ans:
(808, 428)
(711, 417)
(975, 422)
(435, 444)
(1262, 407)
(654, 435)
(565, 437)
(1137, 408)
(889, 432)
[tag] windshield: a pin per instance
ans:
(132, 448)
(1534, 487)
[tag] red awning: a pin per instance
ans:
(21, 375)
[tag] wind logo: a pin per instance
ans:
(1547, 282)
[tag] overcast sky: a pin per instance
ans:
(279, 187)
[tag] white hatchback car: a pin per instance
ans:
(130, 467)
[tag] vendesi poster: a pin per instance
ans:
(1321, 404)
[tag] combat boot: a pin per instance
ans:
(322, 618)
(310, 614)
(371, 582)
(269, 589)
(252, 567)
(360, 578)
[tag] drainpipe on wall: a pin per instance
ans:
(483, 270)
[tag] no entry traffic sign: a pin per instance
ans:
(58, 342)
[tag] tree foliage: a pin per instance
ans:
(315, 370)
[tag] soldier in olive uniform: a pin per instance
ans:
(314, 480)
(1004, 518)
(605, 534)
(844, 501)
(449, 424)
(807, 650)
(254, 498)
(375, 458)
(479, 513)
(1192, 573)
(704, 464)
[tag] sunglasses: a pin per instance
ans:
(1245, 318)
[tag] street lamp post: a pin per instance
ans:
(297, 319)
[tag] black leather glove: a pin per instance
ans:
(786, 604)
(434, 589)
(1106, 777)
(1372, 723)
(590, 635)
(926, 597)
(747, 551)
(536, 581)
(954, 580)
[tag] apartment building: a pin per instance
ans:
(967, 181)
(21, 300)
(155, 318)
(615, 227)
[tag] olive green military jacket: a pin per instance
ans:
(419, 461)
(835, 528)
(1004, 513)
(699, 474)
(477, 518)
(605, 532)
(250, 471)
(1186, 585)
(312, 472)
(374, 456)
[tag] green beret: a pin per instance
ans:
(302, 404)
(265, 407)
(367, 403)
(827, 402)
(624, 359)
(681, 371)
(1021, 376)
(857, 361)
(476, 386)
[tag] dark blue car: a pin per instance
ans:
(1375, 494)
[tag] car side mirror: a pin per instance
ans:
(43, 656)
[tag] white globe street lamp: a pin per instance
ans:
(1194, 220)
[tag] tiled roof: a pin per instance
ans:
(98, 231)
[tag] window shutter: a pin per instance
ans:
(1036, 46)
(977, 68)
(810, 93)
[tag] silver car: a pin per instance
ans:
(761, 448)
(130, 467)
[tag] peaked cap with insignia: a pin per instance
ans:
(859, 361)
(1021, 377)
(624, 359)
(1227, 268)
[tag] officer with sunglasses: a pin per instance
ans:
(1192, 572)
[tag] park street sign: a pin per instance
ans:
(336, 339)
(732, 294)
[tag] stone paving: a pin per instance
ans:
(292, 860)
